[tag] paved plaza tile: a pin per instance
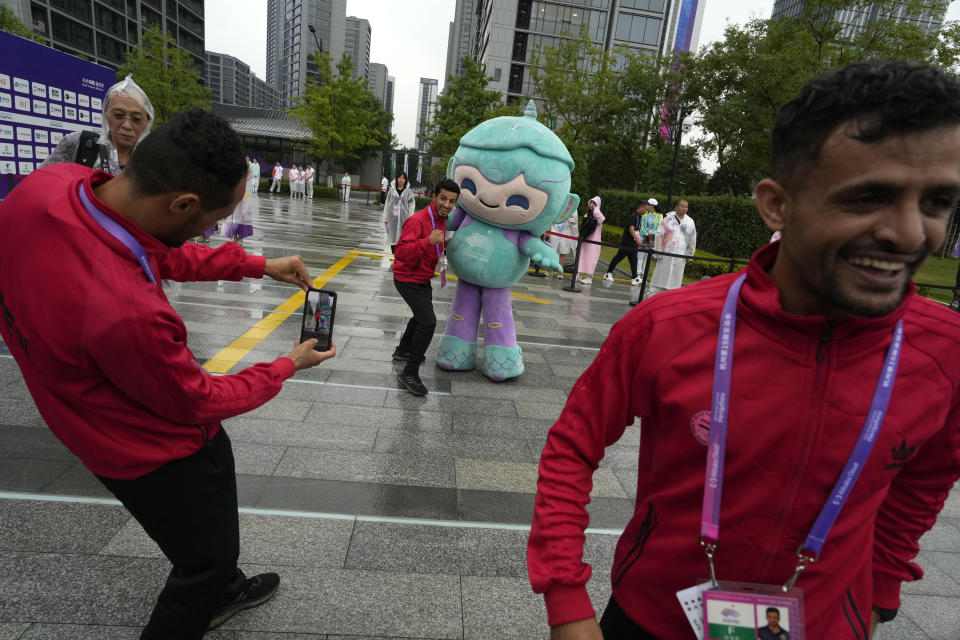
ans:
(388, 516)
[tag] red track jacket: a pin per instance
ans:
(415, 259)
(801, 388)
(103, 353)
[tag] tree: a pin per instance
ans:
(464, 103)
(346, 121)
(608, 106)
(741, 82)
(166, 73)
(11, 24)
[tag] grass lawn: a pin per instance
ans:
(935, 271)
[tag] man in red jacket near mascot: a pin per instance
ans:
(815, 388)
(121, 389)
(421, 250)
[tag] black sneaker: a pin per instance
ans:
(400, 355)
(259, 589)
(410, 380)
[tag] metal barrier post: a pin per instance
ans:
(643, 281)
(576, 270)
(733, 265)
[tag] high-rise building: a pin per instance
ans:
(103, 31)
(856, 19)
(462, 38)
(290, 43)
(356, 43)
(377, 82)
(388, 96)
(231, 82)
(505, 33)
(426, 101)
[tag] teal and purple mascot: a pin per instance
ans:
(514, 177)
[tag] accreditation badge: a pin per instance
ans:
(396, 209)
(745, 611)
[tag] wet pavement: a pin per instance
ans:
(387, 515)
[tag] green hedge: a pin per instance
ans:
(726, 225)
(325, 193)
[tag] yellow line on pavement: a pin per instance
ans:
(236, 350)
(230, 355)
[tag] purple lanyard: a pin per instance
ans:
(443, 269)
(716, 447)
(113, 228)
(433, 226)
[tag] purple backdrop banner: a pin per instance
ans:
(44, 94)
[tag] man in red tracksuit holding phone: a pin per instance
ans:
(420, 249)
(121, 389)
(801, 419)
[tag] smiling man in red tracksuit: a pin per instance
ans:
(865, 173)
(120, 388)
(421, 247)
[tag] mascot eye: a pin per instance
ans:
(518, 201)
(468, 185)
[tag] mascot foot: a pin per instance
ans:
(454, 354)
(500, 363)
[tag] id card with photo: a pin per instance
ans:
(744, 611)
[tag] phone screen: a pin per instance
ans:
(318, 314)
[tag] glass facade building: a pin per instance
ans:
(290, 44)
(856, 19)
(103, 31)
(426, 102)
(356, 43)
(231, 82)
(504, 34)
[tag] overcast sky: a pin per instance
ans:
(411, 38)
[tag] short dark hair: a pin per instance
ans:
(878, 98)
(773, 610)
(447, 185)
(194, 151)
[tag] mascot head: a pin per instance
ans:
(514, 173)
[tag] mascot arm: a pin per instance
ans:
(456, 219)
(539, 252)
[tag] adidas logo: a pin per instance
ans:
(900, 455)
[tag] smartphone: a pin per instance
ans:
(318, 314)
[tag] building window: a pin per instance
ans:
(111, 22)
(109, 49)
(516, 78)
(38, 20)
(76, 8)
(496, 74)
(519, 46)
(73, 34)
(523, 14)
(638, 29)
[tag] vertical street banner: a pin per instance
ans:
(44, 95)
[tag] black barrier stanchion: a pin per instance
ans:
(643, 280)
(576, 270)
(733, 265)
